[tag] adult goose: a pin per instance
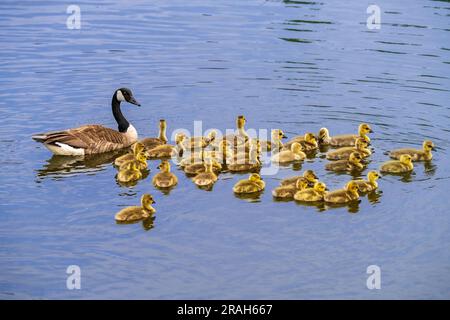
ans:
(94, 138)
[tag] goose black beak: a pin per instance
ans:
(370, 130)
(284, 136)
(132, 100)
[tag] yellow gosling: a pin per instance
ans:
(287, 191)
(135, 150)
(345, 140)
(370, 184)
(361, 146)
(352, 164)
(251, 185)
(309, 176)
(167, 150)
(150, 143)
(316, 193)
(206, 178)
(398, 166)
(416, 154)
(136, 213)
(348, 194)
(140, 161)
(287, 156)
(129, 172)
(165, 178)
(308, 142)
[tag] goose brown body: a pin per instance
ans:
(94, 138)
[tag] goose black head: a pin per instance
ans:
(125, 94)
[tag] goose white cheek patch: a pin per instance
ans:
(119, 96)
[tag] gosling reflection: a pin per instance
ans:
(352, 206)
(374, 196)
(60, 166)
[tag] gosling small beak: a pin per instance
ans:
(153, 201)
(158, 167)
(433, 148)
(370, 131)
(132, 100)
(284, 136)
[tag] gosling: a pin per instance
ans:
(308, 142)
(348, 194)
(136, 213)
(416, 155)
(136, 149)
(403, 165)
(287, 191)
(167, 150)
(369, 185)
(129, 173)
(309, 176)
(345, 140)
(150, 143)
(206, 178)
(165, 178)
(352, 164)
(361, 147)
(314, 194)
(251, 185)
(288, 156)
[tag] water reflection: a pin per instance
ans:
(250, 197)
(60, 166)
(374, 196)
(147, 224)
(352, 207)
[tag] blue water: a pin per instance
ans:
(294, 65)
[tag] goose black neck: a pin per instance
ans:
(121, 121)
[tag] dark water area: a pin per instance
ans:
(293, 65)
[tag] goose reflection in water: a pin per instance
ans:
(61, 166)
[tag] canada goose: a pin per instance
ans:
(345, 140)
(344, 152)
(275, 144)
(91, 139)
(308, 142)
(416, 155)
(200, 167)
(129, 172)
(398, 166)
(140, 160)
(251, 185)
(135, 150)
(206, 178)
(348, 194)
(165, 178)
(353, 163)
(287, 191)
(287, 156)
(167, 150)
(313, 194)
(150, 143)
(238, 138)
(136, 213)
(309, 176)
(369, 185)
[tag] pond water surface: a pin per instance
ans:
(294, 65)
